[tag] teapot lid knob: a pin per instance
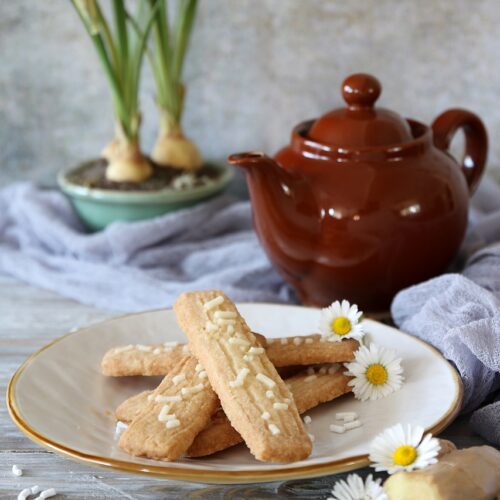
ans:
(361, 90)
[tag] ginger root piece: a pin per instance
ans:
(468, 474)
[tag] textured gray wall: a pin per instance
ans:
(256, 68)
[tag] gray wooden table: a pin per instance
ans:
(29, 318)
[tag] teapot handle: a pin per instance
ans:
(476, 141)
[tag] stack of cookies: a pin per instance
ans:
(227, 386)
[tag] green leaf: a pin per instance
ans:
(184, 27)
(120, 19)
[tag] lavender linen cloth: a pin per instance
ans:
(460, 313)
(134, 266)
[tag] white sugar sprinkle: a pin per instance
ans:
(307, 420)
(270, 341)
(178, 378)
(352, 425)
(222, 321)
(210, 326)
(240, 378)
(202, 374)
(51, 492)
(172, 343)
(167, 417)
(24, 494)
(311, 437)
(172, 423)
(309, 341)
(230, 329)
(217, 301)
(266, 415)
(120, 427)
(35, 489)
(348, 418)
(338, 429)
(269, 394)
(123, 349)
(255, 350)
(238, 341)
(225, 315)
(157, 351)
(297, 341)
(247, 357)
(310, 378)
(310, 371)
(168, 399)
(266, 380)
(164, 415)
(144, 348)
(350, 415)
(185, 348)
(198, 368)
(17, 471)
(280, 406)
(192, 390)
(274, 429)
(284, 341)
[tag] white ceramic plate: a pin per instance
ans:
(59, 398)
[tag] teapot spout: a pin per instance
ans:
(251, 160)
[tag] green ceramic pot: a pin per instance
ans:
(100, 207)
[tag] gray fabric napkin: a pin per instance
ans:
(134, 266)
(460, 313)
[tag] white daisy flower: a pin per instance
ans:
(341, 321)
(402, 448)
(355, 489)
(376, 371)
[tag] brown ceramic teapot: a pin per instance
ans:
(363, 203)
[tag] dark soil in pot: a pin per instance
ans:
(93, 175)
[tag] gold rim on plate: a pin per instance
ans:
(211, 476)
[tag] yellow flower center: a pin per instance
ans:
(376, 374)
(405, 455)
(341, 325)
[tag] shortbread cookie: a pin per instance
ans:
(146, 360)
(140, 359)
(241, 374)
(309, 350)
(158, 359)
(308, 392)
(132, 407)
(177, 411)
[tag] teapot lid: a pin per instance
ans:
(360, 124)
